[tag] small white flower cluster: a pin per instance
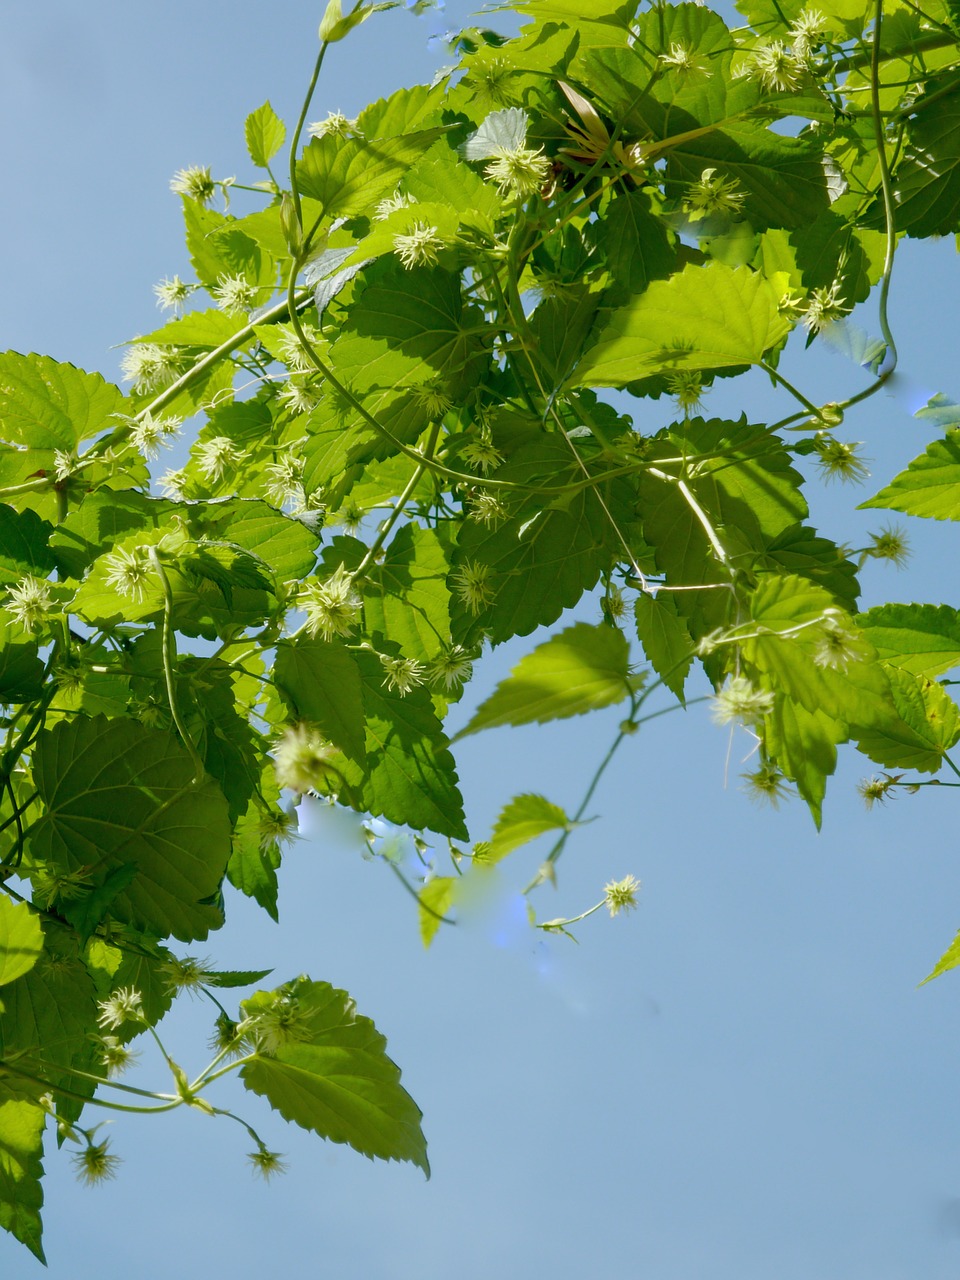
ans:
(518, 171)
(29, 603)
(150, 434)
(150, 367)
(779, 65)
(332, 607)
(420, 247)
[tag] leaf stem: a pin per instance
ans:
(169, 650)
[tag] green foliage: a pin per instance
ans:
(398, 455)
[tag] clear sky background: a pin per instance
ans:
(739, 1081)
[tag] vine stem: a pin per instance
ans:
(887, 188)
(169, 664)
(295, 141)
(401, 502)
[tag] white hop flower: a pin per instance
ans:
(298, 397)
(451, 668)
(29, 603)
(482, 455)
(195, 182)
(172, 294)
(392, 204)
(218, 456)
(125, 1005)
(335, 123)
(470, 583)
(235, 294)
(150, 434)
(150, 367)
(518, 171)
(740, 701)
(621, 895)
(332, 607)
(420, 247)
(301, 760)
(402, 674)
(129, 571)
(776, 67)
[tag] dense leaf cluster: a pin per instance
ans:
(394, 369)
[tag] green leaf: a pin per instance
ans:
(930, 486)
(921, 638)
(253, 869)
(286, 545)
(48, 1023)
(436, 898)
(926, 726)
(209, 328)
(116, 792)
(783, 178)
(637, 244)
(23, 545)
(21, 939)
(791, 619)
(145, 970)
(265, 134)
(665, 638)
(405, 596)
(334, 26)
(46, 405)
(927, 183)
(580, 670)
(103, 518)
(348, 176)
(21, 671)
(21, 1169)
(804, 745)
(949, 960)
(409, 326)
(410, 776)
(523, 819)
(501, 131)
(320, 681)
(335, 1077)
(710, 317)
(86, 912)
(541, 558)
(235, 977)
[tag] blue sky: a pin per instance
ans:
(739, 1080)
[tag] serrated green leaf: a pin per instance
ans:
(103, 518)
(21, 1169)
(930, 485)
(501, 131)
(86, 912)
(204, 329)
(436, 898)
(21, 939)
(286, 545)
(145, 970)
(21, 671)
(265, 133)
(927, 184)
(335, 1078)
(321, 682)
(789, 644)
(410, 777)
(406, 596)
(949, 960)
(48, 1022)
(926, 726)
(253, 869)
(543, 556)
(235, 977)
(665, 638)
(116, 792)
(804, 746)
(637, 244)
(711, 317)
(921, 638)
(348, 176)
(523, 819)
(582, 669)
(24, 546)
(46, 405)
